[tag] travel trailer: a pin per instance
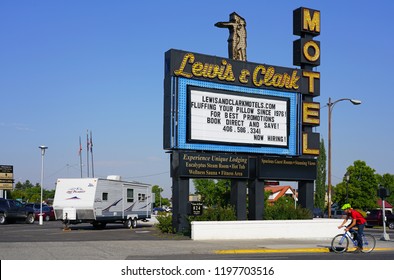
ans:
(101, 201)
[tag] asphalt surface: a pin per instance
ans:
(51, 242)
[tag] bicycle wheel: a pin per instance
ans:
(340, 243)
(369, 243)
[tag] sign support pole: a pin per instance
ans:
(238, 198)
(180, 196)
(256, 199)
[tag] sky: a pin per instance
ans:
(69, 67)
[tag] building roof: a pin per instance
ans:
(386, 204)
(279, 191)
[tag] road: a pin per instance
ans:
(24, 242)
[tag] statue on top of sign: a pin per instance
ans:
(237, 39)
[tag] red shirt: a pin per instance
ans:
(358, 217)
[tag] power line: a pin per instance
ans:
(150, 175)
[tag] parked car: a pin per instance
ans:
(13, 210)
(47, 211)
(336, 214)
(317, 213)
(156, 210)
(36, 208)
(375, 218)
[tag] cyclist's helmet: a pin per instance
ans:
(346, 206)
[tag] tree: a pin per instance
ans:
(48, 194)
(159, 200)
(320, 183)
(27, 192)
(361, 188)
(156, 190)
(213, 192)
(30, 193)
(33, 194)
(23, 186)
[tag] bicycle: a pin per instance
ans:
(340, 243)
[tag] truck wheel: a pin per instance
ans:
(2, 219)
(47, 218)
(391, 225)
(30, 219)
(134, 223)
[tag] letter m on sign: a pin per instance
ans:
(306, 21)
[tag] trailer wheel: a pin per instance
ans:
(128, 223)
(134, 223)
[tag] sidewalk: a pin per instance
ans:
(161, 249)
(264, 246)
(281, 245)
(293, 246)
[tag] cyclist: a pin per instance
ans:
(357, 221)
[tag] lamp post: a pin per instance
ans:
(347, 177)
(160, 196)
(330, 106)
(383, 193)
(43, 148)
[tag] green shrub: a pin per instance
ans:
(283, 210)
(210, 214)
(220, 213)
(165, 222)
(287, 213)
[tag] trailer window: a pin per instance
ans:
(130, 195)
(141, 197)
(105, 196)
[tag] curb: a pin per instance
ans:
(287, 250)
(266, 251)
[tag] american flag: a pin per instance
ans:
(91, 142)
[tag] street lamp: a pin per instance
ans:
(383, 193)
(347, 177)
(43, 148)
(160, 189)
(330, 106)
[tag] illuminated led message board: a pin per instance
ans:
(238, 119)
(219, 117)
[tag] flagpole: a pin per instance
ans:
(87, 151)
(80, 155)
(91, 152)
